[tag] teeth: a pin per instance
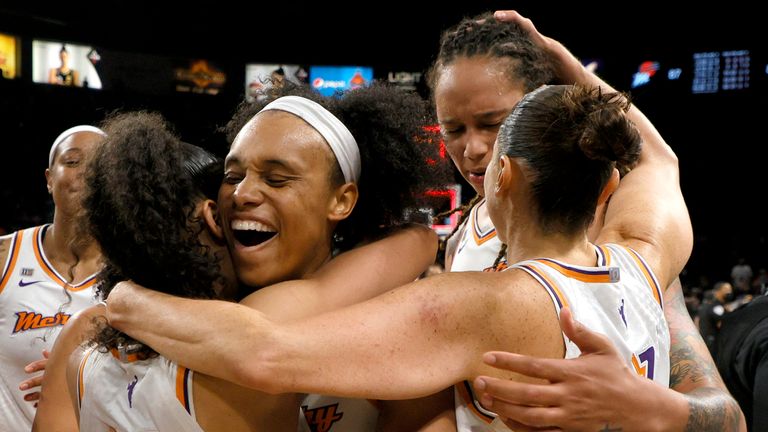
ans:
(250, 226)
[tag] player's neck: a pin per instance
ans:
(527, 244)
(70, 251)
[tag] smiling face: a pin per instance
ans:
(473, 96)
(276, 199)
(64, 177)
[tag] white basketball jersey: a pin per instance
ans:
(35, 301)
(477, 249)
(619, 298)
(134, 395)
(334, 414)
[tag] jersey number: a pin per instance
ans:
(645, 362)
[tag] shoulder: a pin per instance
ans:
(6, 242)
(511, 295)
(525, 315)
(74, 378)
(71, 341)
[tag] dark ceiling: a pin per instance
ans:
(399, 31)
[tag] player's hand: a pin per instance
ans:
(596, 391)
(34, 382)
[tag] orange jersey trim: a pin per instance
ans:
(123, 357)
(15, 247)
(182, 389)
(48, 269)
(606, 254)
(596, 276)
(549, 284)
(648, 276)
(80, 379)
(640, 370)
(465, 392)
(480, 237)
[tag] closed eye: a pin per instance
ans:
(277, 181)
(232, 178)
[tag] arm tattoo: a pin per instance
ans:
(712, 410)
(691, 365)
(694, 374)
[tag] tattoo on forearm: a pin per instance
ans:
(693, 373)
(712, 411)
(690, 362)
(687, 364)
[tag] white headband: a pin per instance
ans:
(338, 137)
(68, 133)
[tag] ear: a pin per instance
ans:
(48, 180)
(610, 187)
(210, 213)
(343, 202)
(508, 172)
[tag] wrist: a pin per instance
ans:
(672, 408)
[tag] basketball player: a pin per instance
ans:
(577, 403)
(47, 275)
(274, 136)
(470, 98)
(423, 337)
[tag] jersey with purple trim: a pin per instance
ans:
(478, 248)
(35, 301)
(619, 298)
(320, 413)
(134, 395)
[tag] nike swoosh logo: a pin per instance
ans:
(23, 284)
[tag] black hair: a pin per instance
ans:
(571, 137)
(389, 126)
(485, 36)
(142, 188)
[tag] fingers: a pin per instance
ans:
(520, 417)
(587, 340)
(36, 366)
(31, 383)
(507, 15)
(515, 17)
(552, 370)
(493, 389)
(32, 397)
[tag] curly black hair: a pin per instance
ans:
(141, 191)
(399, 154)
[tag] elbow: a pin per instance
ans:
(427, 236)
(260, 373)
(430, 238)
(119, 307)
(117, 316)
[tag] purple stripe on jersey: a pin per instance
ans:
(535, 273)
(577, 270)
(650, 273)
(186, 391)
